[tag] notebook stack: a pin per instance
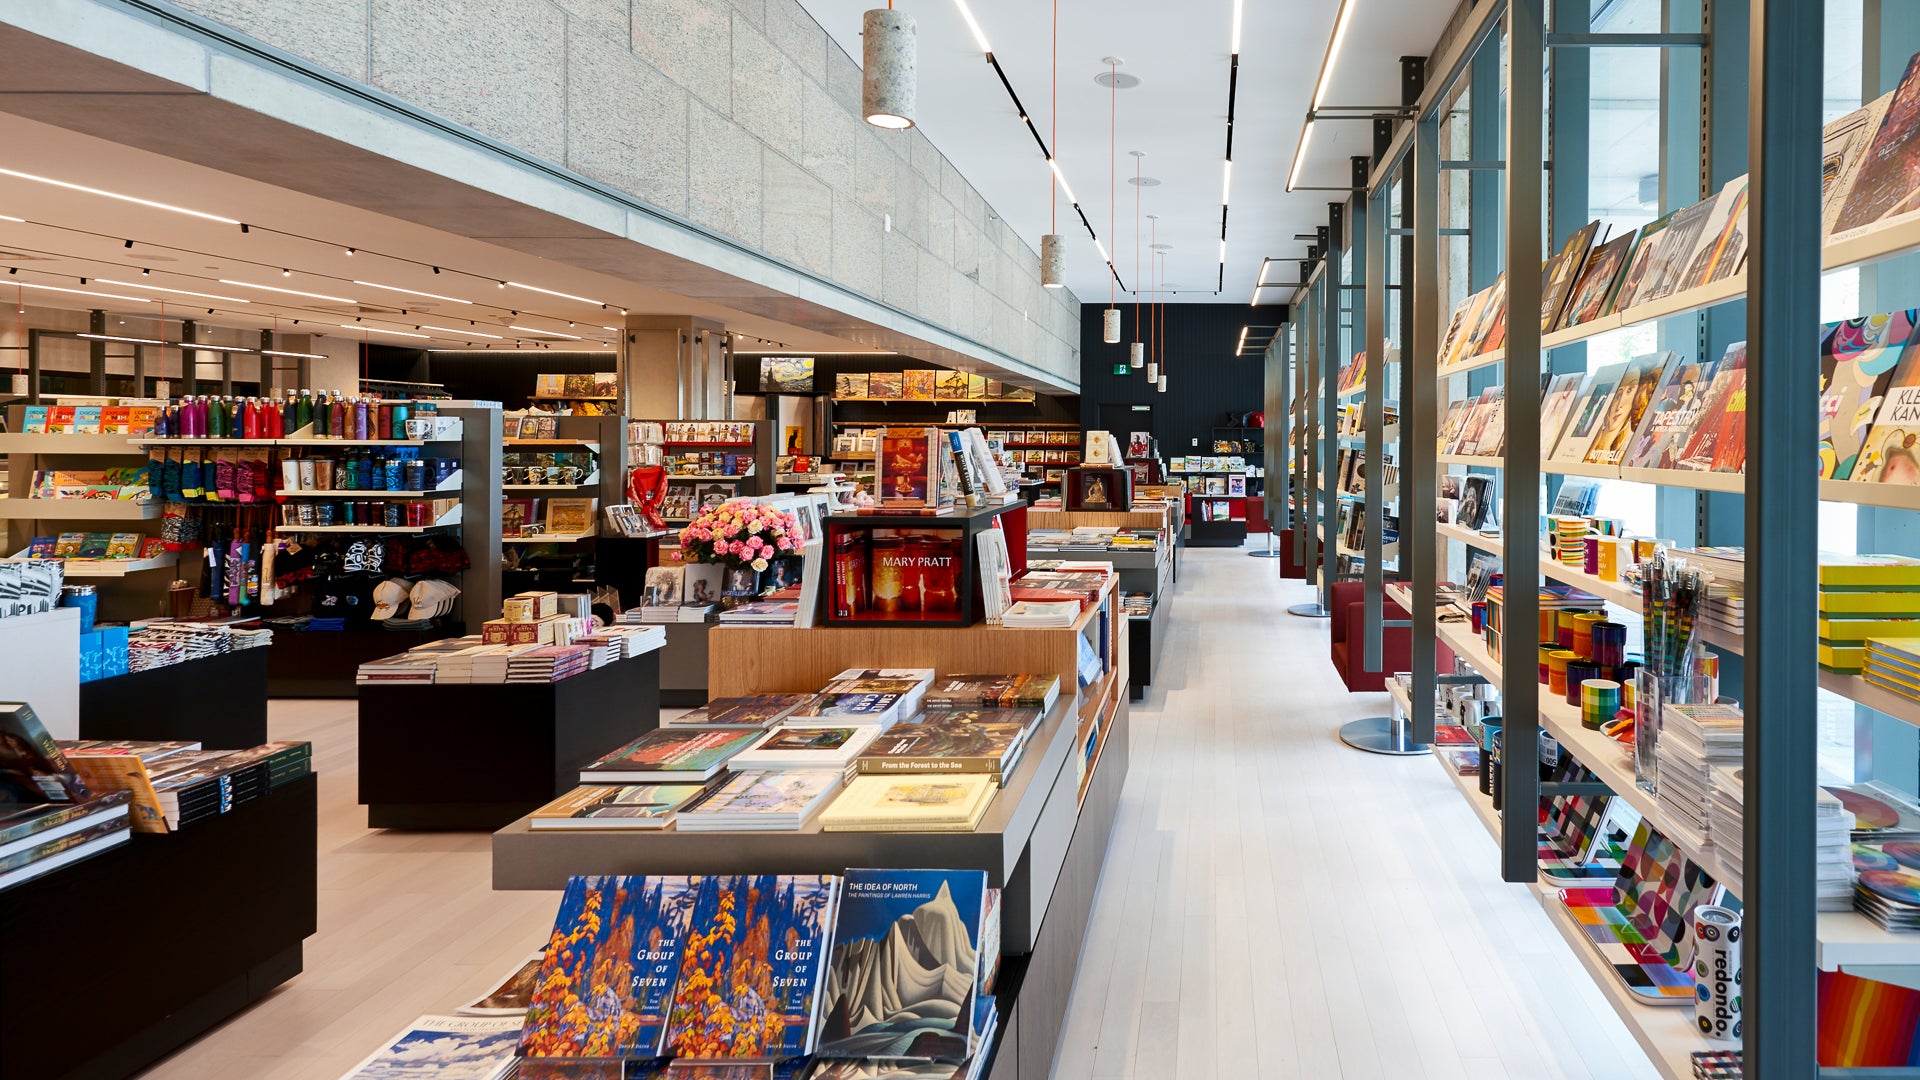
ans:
(548, 663)
(1872, 598)
(1694, 740)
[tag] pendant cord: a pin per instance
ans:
(1053, 207)
(1113, 187)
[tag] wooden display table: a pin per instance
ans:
(219, 701)
(1043, 839)
(113, 962)
(478, 755)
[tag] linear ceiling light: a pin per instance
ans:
(377, 330)
(116, 195)
(1226, 181)
(460, 333)
(289, 292)
(81, 292)
(411, 292)
(1236, 27)
(298, 355)
(1054, 164)
(888, 68)
(10, 217)
(561, 295)
(208, 346)
(1243, 342)
(1300, 155)
(1328, 61)
(177, 292)
(973, 24)
(547, 333)
(133, 340)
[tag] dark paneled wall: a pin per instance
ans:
(508, 377)
(1205, 381)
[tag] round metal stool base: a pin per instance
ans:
(1379, 735)
(1309, 611)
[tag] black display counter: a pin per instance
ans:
(111, 963)
(479, 755)
(219, 701)
(324, 663)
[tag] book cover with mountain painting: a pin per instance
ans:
(905, 952)
(610, 967)
(750, 976)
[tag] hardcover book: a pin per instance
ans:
(1561, 272)
(1889, 172)
(670, 755)
(917, 384)
(889, 804)
(1844, 145)
(904, 965)
(1627, 408)
(782, 800)
(1593, 292)
(751, 974)
(907, 472)
(755, 710)
(511, 996)
(1556, 405)
(1003, 691)
(1888, 456)
(1671, 416)
(1729, 379)
(940, 746)
(805, 748)
(615, 806)
(445, 1048)
(884, 385)
(1643, 273)
(610, 968)
(1583, 425)
(1858, 359)
(1722, 249)
(32, 767)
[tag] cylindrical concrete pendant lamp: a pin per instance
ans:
(1110, 324)
(889, 77)
(1153, 371)
(1053, 260)
(1163, 384)
(1139, 354)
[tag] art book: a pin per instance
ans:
(610, 967)
(1594, 290)
(1729, 379)
(751, 974)
(748, 801)
(1492, 315)
(754, 710)
(905, 804)
(615, 806)
(32, 767)
(1641, 273)
(1858, 359)
(884, 385)
(1843, 148)
(1556, 405)
(1474, 307)
(1666, 273)
(1627, 408)
(943, 746)
(905, 958)
(907, 472)
(1562, 270)
(1888, 176)
(850, 386)
(805, 747)
(511, 996)
(918, 384)
(1583, 425)
(670, 755)
(445, 1048)
(1671, 416)
(1722, 249)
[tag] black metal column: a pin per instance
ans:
(1520, 689)
(1783, 343)
(96, 352)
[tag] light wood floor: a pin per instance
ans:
(1273, 904)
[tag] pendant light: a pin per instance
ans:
(1153, 309)
(1053, 246)
(889, 68)
(1110, 319)
(1139, 349)
(1160, 327)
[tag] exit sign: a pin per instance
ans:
(1121, 369)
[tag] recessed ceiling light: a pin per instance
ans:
(1161, 247)
(1118, 80)
(178, 292)
(1143, 181)
(289, 292)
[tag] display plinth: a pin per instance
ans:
(115, 961)
(683, 665)
(478, 755)
(218, 701)
(323, 663)
(1216, 533)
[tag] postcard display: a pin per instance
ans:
(1042, 838)
(1216, 498)
(195, 924)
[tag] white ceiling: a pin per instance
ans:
(1177, 115)
(68, 235)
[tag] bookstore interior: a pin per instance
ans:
(436, 483)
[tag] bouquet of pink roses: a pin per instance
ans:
(739, 533)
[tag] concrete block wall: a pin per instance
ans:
(741, 117)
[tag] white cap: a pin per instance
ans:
(387, 598)
(432, 598)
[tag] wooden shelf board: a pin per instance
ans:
(1471, 538)
(551, 538)
(1469, 788)
(38, 442)
(1472, 459)
(1473, 362)
(113, 568)
(20, 509)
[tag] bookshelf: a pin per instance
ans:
(1772, 506)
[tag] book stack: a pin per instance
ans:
(761, 613)
(1037, 613)
(145, 654)
(1694, 740)
(38, 837)
(1726, 820)
(616, 806)
(548, 663)
(458, 666)
(601, 649)
(675, 755)
(635, 640)
(1870, 596)
(798, 746)
(403, 669)
(490, 665)
(1893, 663)
(961, 691)
(782, 801)
(987, 742)
(1834, 848)
(193, 785)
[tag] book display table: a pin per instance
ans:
(322, 663)
(219, 701)
(1043, 839)
(1146, 572)
(478, 755)
(115, 961)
